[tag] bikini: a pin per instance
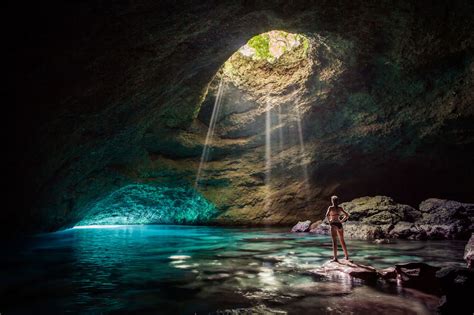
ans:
(336, 224)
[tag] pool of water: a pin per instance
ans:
(199, 270)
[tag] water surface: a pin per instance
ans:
(186, 270)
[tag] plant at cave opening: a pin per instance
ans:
(272, 45)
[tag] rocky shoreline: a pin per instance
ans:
(381, 218)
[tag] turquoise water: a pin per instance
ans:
(186, 270)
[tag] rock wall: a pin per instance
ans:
(108, 95)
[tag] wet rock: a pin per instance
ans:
(219, 276)
(388, 273)
(320, 289)
(457, 285)
(344, 268)
(420, 276)
(383, 241)
(469, 252)
(302, 226)
(257, 310)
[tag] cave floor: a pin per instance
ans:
(186, 270)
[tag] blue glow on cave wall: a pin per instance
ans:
(150, 204)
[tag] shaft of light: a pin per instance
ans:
(210, 132)
(280, 130)
(304, 166)
(268, 156)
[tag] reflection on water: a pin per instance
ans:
(187, 270)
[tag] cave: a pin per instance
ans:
(180, 157)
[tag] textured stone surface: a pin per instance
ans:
(380, 210)
(448, 218)
(315, 226)
(302, 226)
(257, 310)
(343, 268)
(109, 94)
(469, 252)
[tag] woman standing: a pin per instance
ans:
(333, 215)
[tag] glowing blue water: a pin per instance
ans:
(186, 270)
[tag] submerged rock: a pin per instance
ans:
(383, 241)
(420, 276)
(388, 273)
(320, 288)
(302, 226)
(257, 310)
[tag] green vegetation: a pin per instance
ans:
(261, 44)
(272, 45)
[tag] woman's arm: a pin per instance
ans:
(346, 215)
(327, 214)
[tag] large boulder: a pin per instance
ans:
(407, 230)
(380, 210)
(362, 230)
(447, 219)
(469, 252)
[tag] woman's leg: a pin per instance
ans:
(334, 242)
(340, 232)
